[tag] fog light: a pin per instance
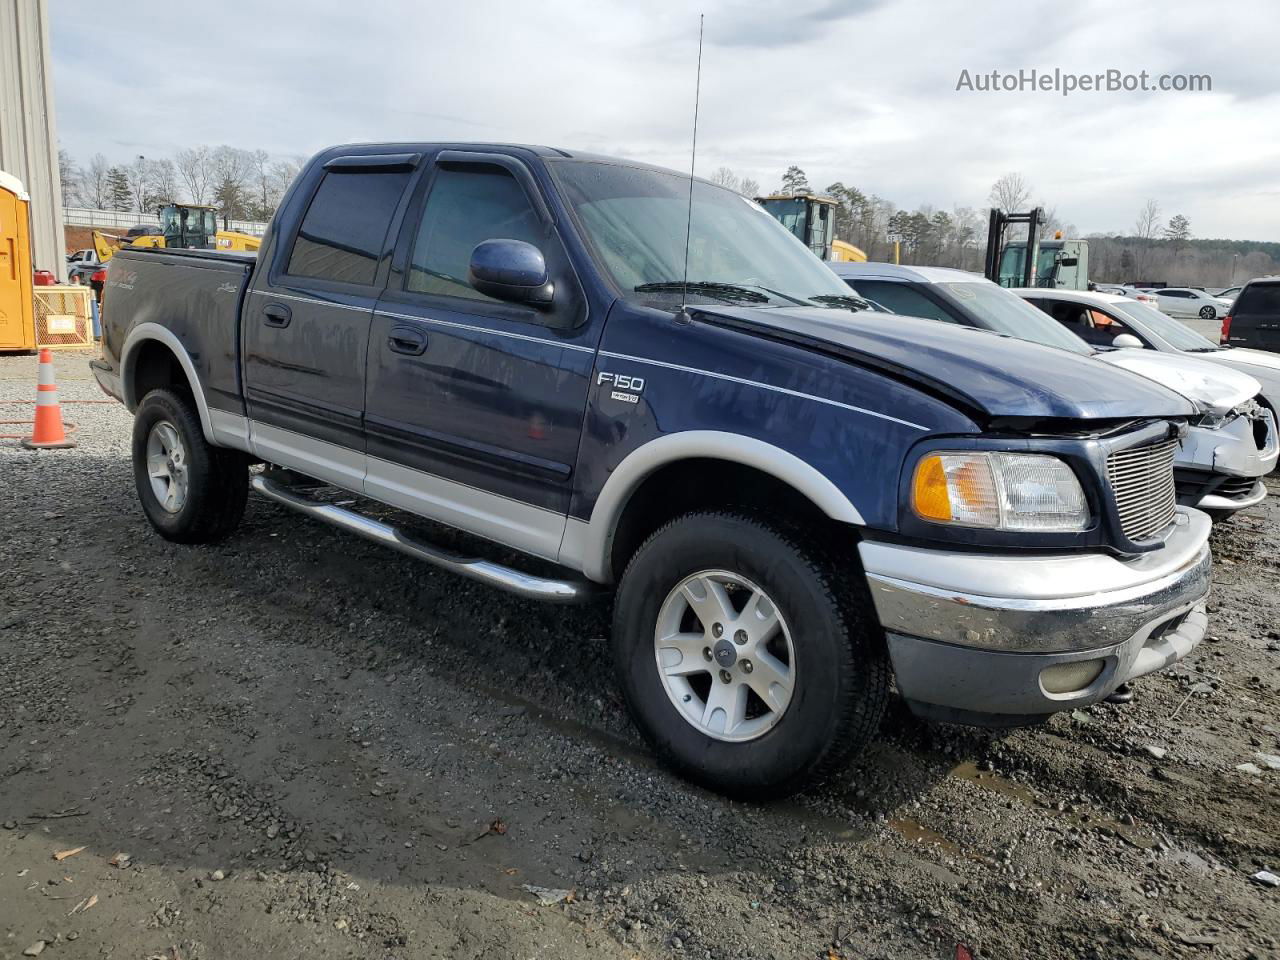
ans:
(1067, 677)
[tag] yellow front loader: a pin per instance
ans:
(182, 226)
(812, 218)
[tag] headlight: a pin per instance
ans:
(999, 491)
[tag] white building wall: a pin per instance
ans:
(28, 131)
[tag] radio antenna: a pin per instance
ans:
(693, 158)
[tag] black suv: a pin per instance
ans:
(1254, 320)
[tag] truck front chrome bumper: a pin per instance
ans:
(974, 634)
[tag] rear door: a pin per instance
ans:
(1255, 317)
(475, 406)
(306, 322)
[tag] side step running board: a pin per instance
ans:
(493, 574)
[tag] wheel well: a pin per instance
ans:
(155, 366)
(704, 484)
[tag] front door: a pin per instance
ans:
(306, 325)
(474, 407)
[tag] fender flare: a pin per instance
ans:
(592, 542)
(154, 331)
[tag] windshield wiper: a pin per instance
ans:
(1203, 349)
(724, 291)
(836, 301)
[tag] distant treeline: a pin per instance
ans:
(1184, 262)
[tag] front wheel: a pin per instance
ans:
(752, 664)
(190, 490)
(1208, 313)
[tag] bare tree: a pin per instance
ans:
(93, 187)
(138, 176)
(1148, 223)
(1145, 228)
(232, 170)
(195, 167)
(69, 175)
(749, 188)
(1010, 192)
(725, 177)
(283, 173)
(163, 187)
(262, 207)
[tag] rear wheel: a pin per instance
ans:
(750, 662)
(190, 490)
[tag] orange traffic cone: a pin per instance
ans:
(48, 432)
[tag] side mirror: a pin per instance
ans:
(511, 270)
(1127, 340)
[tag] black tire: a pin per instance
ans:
(217, 480)
(1208, 313)
(842, 671)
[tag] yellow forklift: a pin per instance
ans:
(182, 226)
(812, 218)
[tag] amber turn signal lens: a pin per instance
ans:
(930, 495)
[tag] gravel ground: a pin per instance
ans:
(297, 744)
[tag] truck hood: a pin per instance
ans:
(1213, 387)
(996, 375)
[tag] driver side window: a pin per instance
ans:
(1096, 327)
(465, 208)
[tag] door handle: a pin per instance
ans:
(277, 315)
(407, 340)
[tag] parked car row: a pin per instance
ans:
(1258, 313)
(636, 384)
(1231, 445)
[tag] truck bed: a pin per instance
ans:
(193, 294)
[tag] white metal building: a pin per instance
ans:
(28, 130)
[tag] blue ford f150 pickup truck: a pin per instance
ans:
(797, 502)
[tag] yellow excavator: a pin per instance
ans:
(182, 226)
(812, 218)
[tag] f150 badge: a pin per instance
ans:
(622, 387)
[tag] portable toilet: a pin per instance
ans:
(17, 322)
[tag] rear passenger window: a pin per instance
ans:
(343, 232)
(901, 298)
(1261, 298)
(465, 208)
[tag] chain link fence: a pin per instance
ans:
(124, 219)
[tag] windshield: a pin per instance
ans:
(1175, 333)
(789, 212)
(1014, 260)
(1008, 313)
(634, 220)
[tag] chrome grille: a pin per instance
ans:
(1141, 481)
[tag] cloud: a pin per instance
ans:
(863, 93)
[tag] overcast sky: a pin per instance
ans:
(862, 91)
